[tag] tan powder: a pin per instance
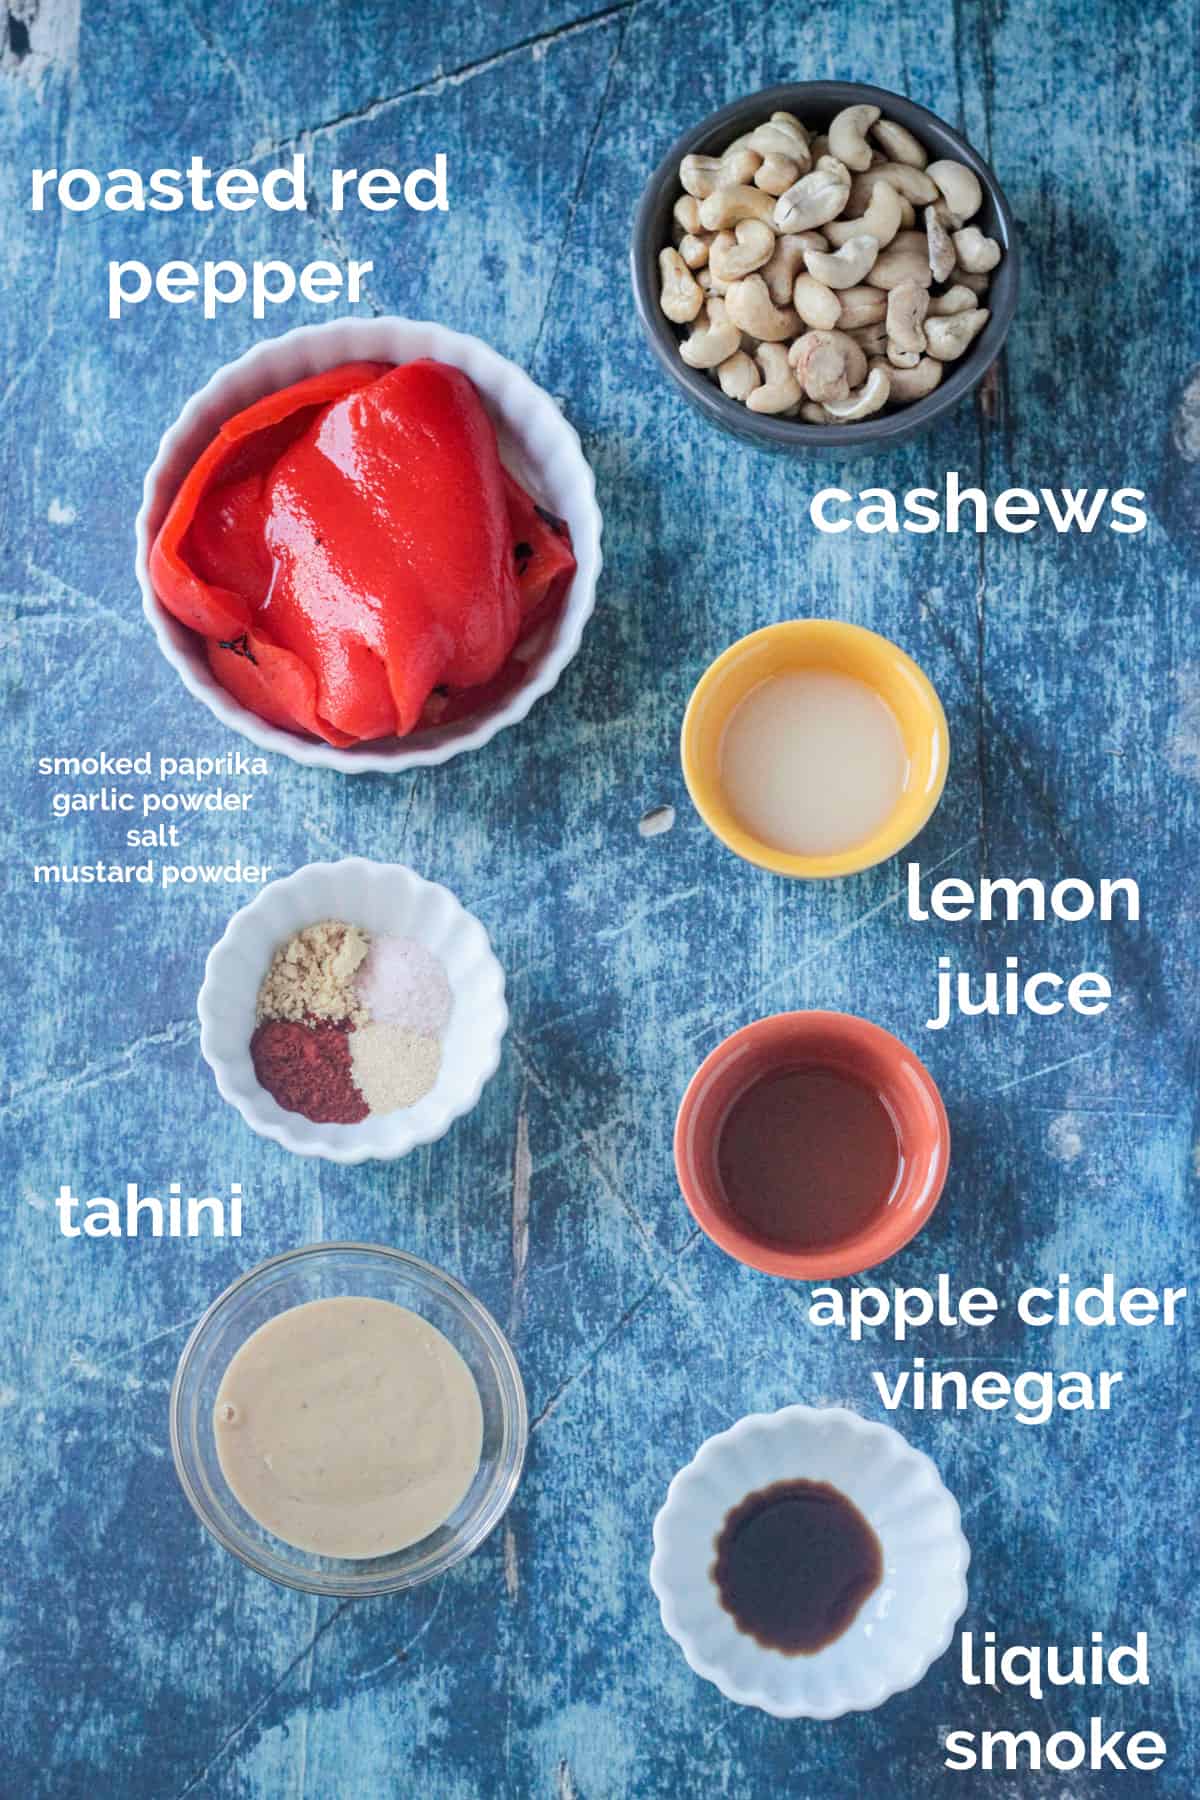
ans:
(392, 1066)
(312, 975)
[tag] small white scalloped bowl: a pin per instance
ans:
(900, 1630)
(537, 445)
(381, 897)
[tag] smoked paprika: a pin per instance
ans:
(306, 1068)
(356, 557)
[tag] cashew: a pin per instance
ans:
(776, 174)
(846, 267)
(815, 198)
(977, 254)
(779, 389)
(881, 220)
(847, 136)
(948, 338)
(861, 306)
(958, 186)
(751, 308)
(940, 249)
(737, 168)
(727, 206)
(978, 284)
(895, 266)
(899, 143)
(862, 192)
(916, 241)
(906, 309)
(738, 253)
(954, 300)
(780, 138)
(817, 304)
(698, 174)
(739, 376)
(808, 277)
(820, 365)
(787, 262)
(907, 385)
(713, 342)
(865, 400)
(914, 184)
(681, 298)
(871, 339)
(809, 357)
(687, 214)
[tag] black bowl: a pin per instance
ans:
(816, 102)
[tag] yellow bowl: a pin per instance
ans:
(848, 650)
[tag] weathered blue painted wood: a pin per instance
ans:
(140, 1660)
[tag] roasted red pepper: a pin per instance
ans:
(351, 544)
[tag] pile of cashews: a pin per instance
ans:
(809, 288)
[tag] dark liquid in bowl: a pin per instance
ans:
(795, 1561)
(805, 1157)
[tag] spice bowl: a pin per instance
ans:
(901, 1628)
(322, 1272)
(828, 646)
(381, 898)
(537, 445)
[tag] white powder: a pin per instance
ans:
(392, 1066)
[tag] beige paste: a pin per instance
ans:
(348, 1427)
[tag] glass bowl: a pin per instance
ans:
(321, 1272)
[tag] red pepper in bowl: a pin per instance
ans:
(356, 557)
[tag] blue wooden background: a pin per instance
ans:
(139, 1660)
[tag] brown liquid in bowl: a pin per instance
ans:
(794, 1563)
(806, 1156)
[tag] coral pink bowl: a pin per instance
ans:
(827, 1040)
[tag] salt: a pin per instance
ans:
(402, 983)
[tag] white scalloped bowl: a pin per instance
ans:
(381, 897)
(537, 445)
(900, 1630)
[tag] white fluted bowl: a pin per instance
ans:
(537, 445)
(382, 898)
(903, 1627)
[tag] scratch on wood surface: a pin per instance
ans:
(231, 1737)
(647, 912)
(522, 1176)
(564, 1786)
(585, 165)
(433, 85)
(1050, 1069)
(110, 1068)
(400, 1656)
(630, 1313)
(584, 1141)
(512, 1573)
(88, 605)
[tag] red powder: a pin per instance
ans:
(306, 1068)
